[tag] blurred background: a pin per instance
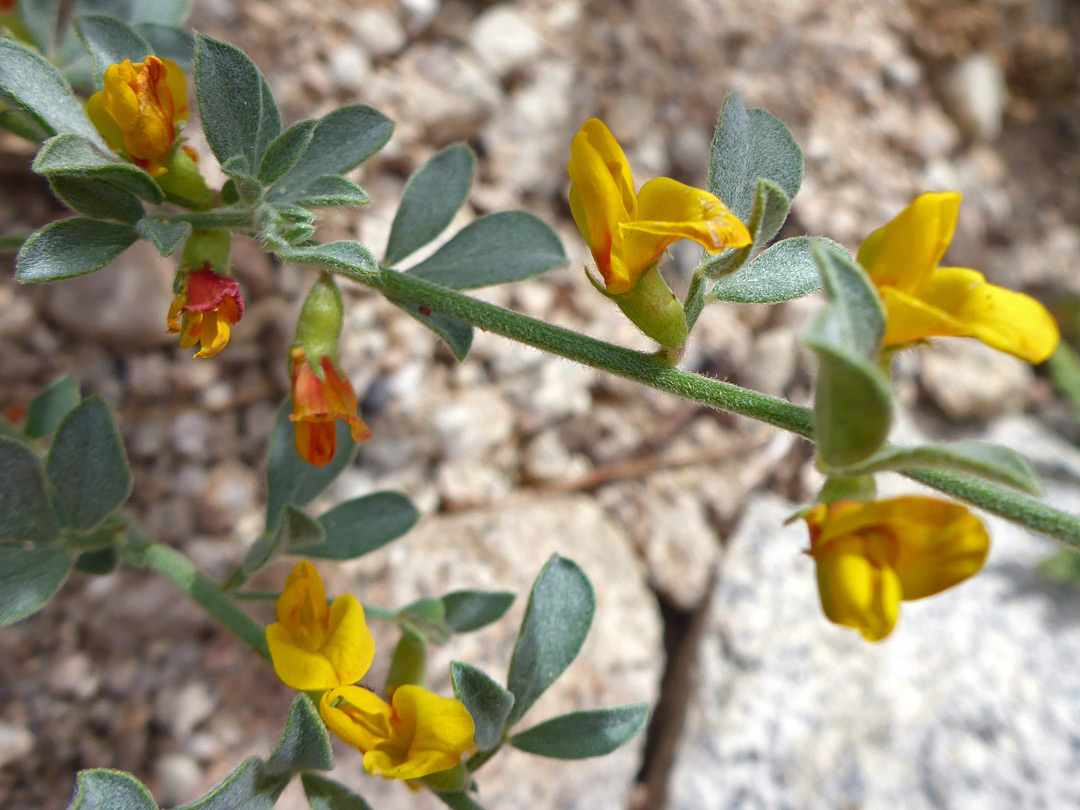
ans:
(707, 608)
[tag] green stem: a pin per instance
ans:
(649, 370)
(180, 571)
(216, 218)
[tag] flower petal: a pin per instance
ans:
(363, 720)
(904, 252)
(1003, 319)
(669, 211)
(213, 336)
(296, 667)
(350, 647)
(855, 592)
(316, 441)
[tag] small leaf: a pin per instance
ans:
(75, 156)
(304, 744)
(774, 152)
(164, 235)
(989, 461)
(771, 207)
(238, 112)
(557, 619)
(435, 193)
(283, 152)
(358, 527)
(729, 160)
(110, 42)
(97, 562)
(583, 734)
(487, 702)
(295, 530)
(466, 611)
(248, 787)
(103, 789)
(71, 247)
(326, 794)
(458, 336)
(332, 190)
(783, 271)
(25, 510)
(424, 617)
(458, 801)
(169, 42)
(97, 199)
(350, 259)
(28, 579)
(36, 87)
(87, 467)
(342, 141)
(290, 479)
(858, 319)
(496, 249)
(50, 406)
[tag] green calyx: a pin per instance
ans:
(319, 327)
(207, 247)
(655, 310)
(409, 663)
(183, 182)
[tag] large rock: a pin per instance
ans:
(504, 549)
(971, 702)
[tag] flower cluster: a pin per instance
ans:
(319, 648)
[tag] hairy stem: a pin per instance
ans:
(654, 372)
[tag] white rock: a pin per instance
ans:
(977, 93)
(378, 30)
(473, 423)
(970, 380)
(771, 363)
(505, 39)
(349, 67)
(15, 743)
(74, 677)
(184, 709)
(177, 778)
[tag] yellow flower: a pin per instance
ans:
(204, 310)
(923, 300)
(139, 109)
(870, 556)
(627, 232)
(313, 646)
(420, 734)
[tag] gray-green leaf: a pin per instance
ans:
(50, 406)
(496, 249)
(332, 190)
(342, 141)
(71, 247)
(40, 17)
(238, 111)
(458, 336)
(104, 789)
(87, 467)
(487, 702)
(28, 579)
(362, 525)
(247, 787)
(169, 42)
(433, 196)
(990, 461)
(583, 734)
(295, 530)
(97, 199)
(74, 155)
(290, 479)
(283, 152)
(25, 510)
(466, 611)
(350, 259)
(164, 235)
(783, 271)
(110, 42)
(35, 86)
(304, 744)
(326, 794)
(557, 619)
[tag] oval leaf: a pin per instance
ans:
(583, 734)
(290, 479)
(50, 406)
(304, 743)
(35, 86)
(28, 579)
(360, 526)
(990, 461)
(165, 236)
(557, 619)
(103, 789)
(465, 611)
(784, 271)
(487, 702)
(283, 152)
(71, 247)
(435, 193)
(342, 141)
(87, 467)
(238, 111)
(332, 190)
(25, 510)
(729, 159)
(326, 794)
(295, 530)
(96, 199)
(248, 787)
(496, 249)
(75, 156)
(457, 335)
(350, 259)
(853, 406)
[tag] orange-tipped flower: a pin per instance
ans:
(627, 232)
(320, 397)
(923, 300)
(872, 556)
(139, 109)
(204, 310)
(417, 734)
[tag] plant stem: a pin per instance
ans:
(181, 572)
(230, 218)
(650, 370)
